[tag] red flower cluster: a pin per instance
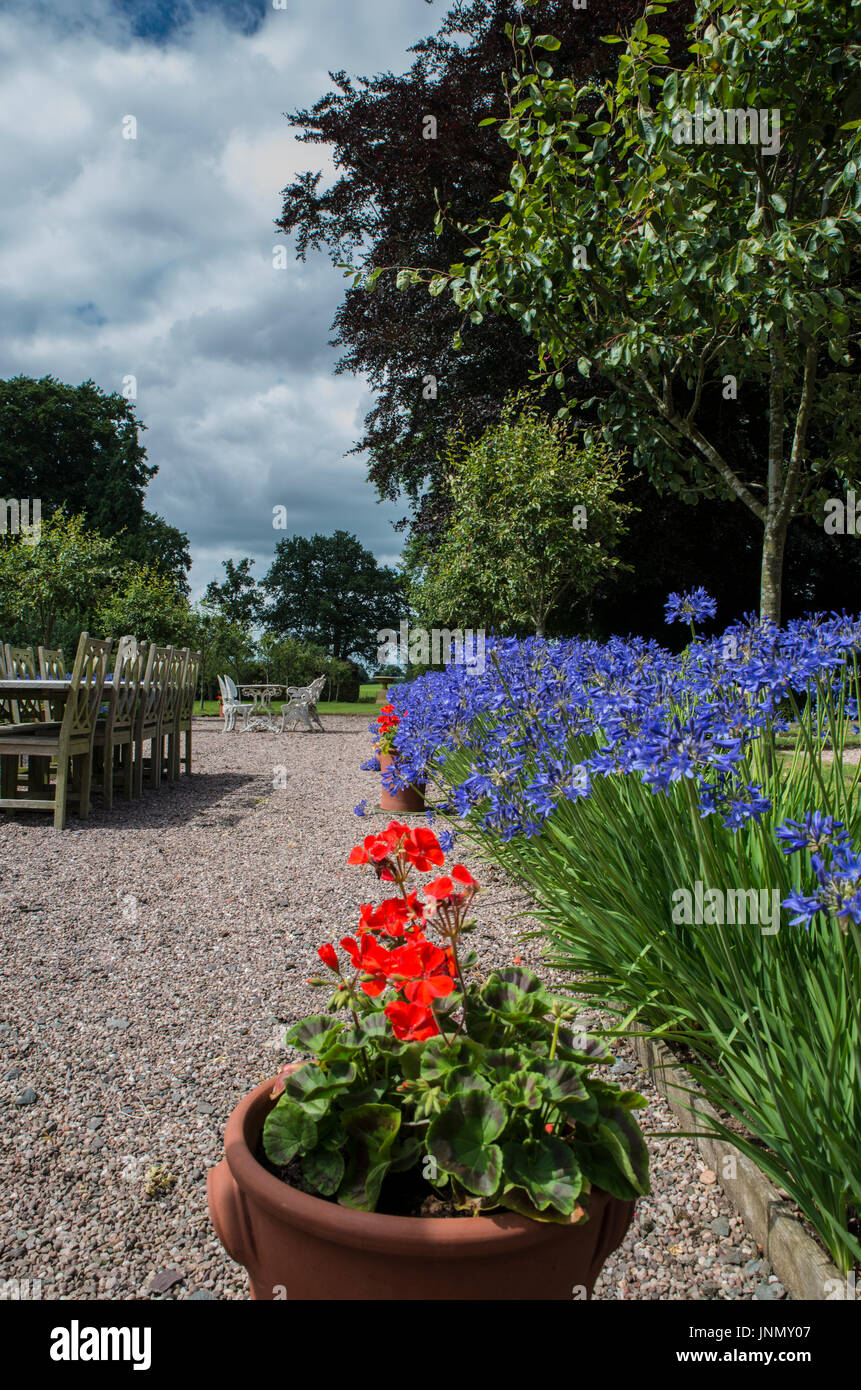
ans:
(387, 723)
(420, 971)
(419, 847)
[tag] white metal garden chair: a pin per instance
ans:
(301, 707)
(231, 704)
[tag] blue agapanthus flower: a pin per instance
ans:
(693, 607)
(361, 808)
(372, 765)
(836, 867)
(547, 721)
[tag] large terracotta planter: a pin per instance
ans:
(296, 1246)
(406, 802)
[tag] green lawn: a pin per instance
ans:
(364, 707)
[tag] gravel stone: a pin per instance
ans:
(170, 936)
(27, 1097)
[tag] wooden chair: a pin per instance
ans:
(149, 716)
(169, 738)
(116, 732)
(71, 739)
(21, 665)
(52, 667)
(186, 711)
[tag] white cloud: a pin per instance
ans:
(153, 256)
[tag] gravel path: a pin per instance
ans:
(148, 963)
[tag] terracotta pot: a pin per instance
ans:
(407, 802)
(296, 1246)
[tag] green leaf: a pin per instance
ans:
(288, 1130)
(461, 1141)
(582, 1047)
(598, 1164)
(372, 1130)
(524, 1091)
(314, 1034)
(623, 1137)
(323, 1169)
(547, 41)
(547, 1171)
(515, 994)
(315, 1088)
(563, 1080)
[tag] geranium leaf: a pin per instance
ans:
(461, 1141)
(564, 1080)
(323, 1169)
(314, 1034)
(287, 1131)
(547, 1171)
(372, 1130)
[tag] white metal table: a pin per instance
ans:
(261, 716)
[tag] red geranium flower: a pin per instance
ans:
(422, 849)
(328, 957)
(411, 1022)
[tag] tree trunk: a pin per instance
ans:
(773, 549)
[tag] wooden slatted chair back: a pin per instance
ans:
(85, 687)
(158, 664)
(52, 664)
(52, 667)
(127, 682)
(175, 676)
(189, 686)
(21, 665)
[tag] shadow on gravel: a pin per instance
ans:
(171, 804)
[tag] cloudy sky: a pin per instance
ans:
(153, 257)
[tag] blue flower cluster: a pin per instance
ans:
(694, 607)
(545, 719)
(835, 863)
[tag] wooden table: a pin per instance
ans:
(29, 688)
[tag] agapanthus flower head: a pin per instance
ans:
(813, 831)
(836, 866)
(693, 607)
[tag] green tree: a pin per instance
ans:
(534, 521)
(144, 603)
(76, 446)
(675, 272)
(160, 546)
(58, 578)
(330, 590)
(381, 206)
(238, 597)
(79, 447)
